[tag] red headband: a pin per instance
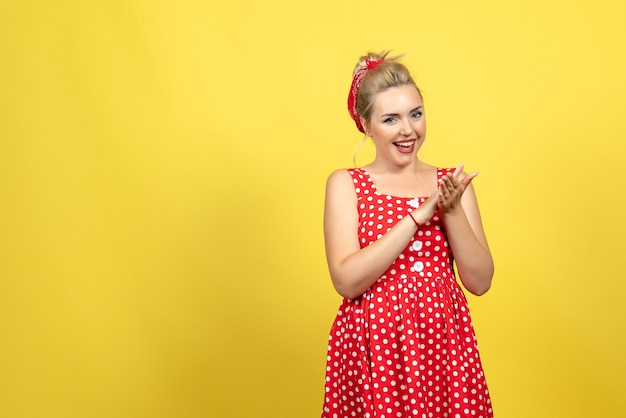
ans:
(354, 90)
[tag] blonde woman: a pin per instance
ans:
(402, 344)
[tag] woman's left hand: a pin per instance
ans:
(452, 187)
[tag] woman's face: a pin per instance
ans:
(397, 124)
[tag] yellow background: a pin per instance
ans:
(162, 170)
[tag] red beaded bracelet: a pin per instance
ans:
(416, 223)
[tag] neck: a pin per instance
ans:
(384, 167)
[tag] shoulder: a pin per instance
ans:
(341, 193)
(342, 176)
(341, 173)
(341, 182)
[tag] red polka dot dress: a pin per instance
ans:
(406, 347)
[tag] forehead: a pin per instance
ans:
(398, 99)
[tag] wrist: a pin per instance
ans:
(451, 212)
(417, 224)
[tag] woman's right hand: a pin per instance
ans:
(426, 210)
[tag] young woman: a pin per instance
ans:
(402, 344)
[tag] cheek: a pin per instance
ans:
(379, 131)
(422, 127)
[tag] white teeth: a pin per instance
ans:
(404, 144)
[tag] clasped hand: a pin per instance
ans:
(451, 189)
(447, 197)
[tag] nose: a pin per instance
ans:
(405, 128)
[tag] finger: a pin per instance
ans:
(445, 189)
(454, 181)
(468, 179)
(453, 184)
(459, 169)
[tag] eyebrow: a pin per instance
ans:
(397, 114)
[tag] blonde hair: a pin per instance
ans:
(390, 73)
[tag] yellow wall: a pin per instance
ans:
(162, 166)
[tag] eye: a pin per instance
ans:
(388, 120)
(417, 114)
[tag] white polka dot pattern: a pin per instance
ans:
(406, 347)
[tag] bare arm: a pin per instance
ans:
(465, 232)
(352, 269)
